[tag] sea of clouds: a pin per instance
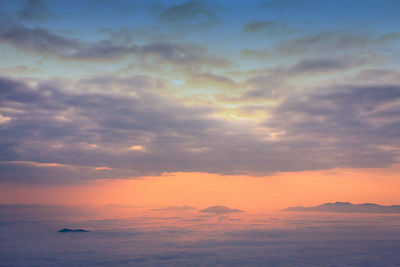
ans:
(121, 236)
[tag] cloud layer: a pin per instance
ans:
(136, 132)
(182, 88)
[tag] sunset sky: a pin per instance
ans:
(256, 105)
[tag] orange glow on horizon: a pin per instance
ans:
(201, 190)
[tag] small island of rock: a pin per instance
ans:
(67, 230)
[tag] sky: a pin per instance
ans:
(252, 104)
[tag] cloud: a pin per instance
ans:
(182, 54)
(35, 39)
(378, 76)
(257, 25)
(190, 14)
(335, 42)
(93, 134)
(280, 4)
(318, 65)
(123, 35)
(266, 26)
(68, 127)
(296, 240)
(55, 173)
(34, 10)
(342, 119)
(276, 82)
(46, 42)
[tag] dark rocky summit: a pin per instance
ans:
(67, 230)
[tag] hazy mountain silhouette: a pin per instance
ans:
(348, 207)
(117, 206)
(67, 230)
(176, 208)
(219, 210)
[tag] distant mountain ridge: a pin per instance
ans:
(117, 206)
(176, 208)
(219, 210)
(348, 207)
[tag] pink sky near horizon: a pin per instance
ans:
(250, 193)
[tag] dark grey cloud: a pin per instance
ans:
(42, 173)
(274, 83)
(43, 118)
(35, 39)
(43, 41)
(335, 43)
(280, 4)
(34, 10)
(341, 121)
(190, 14)
(318, 65)
(257, 25)
(123, 35)
(378, 76)
(268, 27)
(93, 134)
(183, 54)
